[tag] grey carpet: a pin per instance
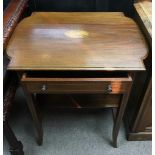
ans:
(72, 133)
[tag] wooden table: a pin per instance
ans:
(77, 53)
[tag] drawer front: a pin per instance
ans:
(77, 85)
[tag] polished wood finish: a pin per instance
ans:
(35, 115)
(49, 43)
(139, 121)
(75, 85)
(119, 116)
(118, 85)
(94, 51)
(143, 12)
(11, 17)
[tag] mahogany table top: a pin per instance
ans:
(77, 41)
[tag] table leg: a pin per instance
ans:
(118, 119)
(32, 108)
(16, 147)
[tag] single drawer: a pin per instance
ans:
(86, 82)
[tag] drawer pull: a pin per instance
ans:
(44, 88)
(109, 89)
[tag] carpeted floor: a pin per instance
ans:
(72, 133)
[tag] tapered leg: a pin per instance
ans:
(118, 120)
(16, 147)
(37, 122)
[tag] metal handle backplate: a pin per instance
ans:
(109, 89)
(44, 87)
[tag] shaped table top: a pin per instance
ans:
(77, 41)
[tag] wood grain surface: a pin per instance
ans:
(144, 9)
(113, 42)
(11, 17)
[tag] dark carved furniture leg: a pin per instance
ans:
(16, 147)
(32, 108)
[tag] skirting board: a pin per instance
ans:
(139, 136)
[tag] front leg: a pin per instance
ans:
(32, 108)
(118, 119)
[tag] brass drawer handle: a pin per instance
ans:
(44, 87)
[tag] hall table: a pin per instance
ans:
(77, 53)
